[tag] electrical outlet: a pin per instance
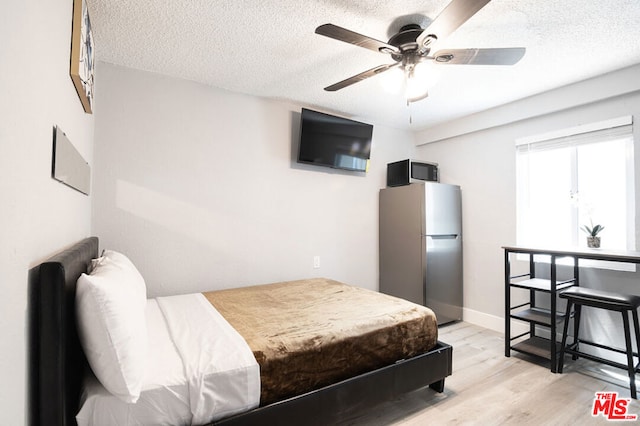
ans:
(316, 262)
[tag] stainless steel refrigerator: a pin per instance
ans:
(421, 246)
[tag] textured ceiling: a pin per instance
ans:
(269, 49)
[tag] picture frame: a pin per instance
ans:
(82, 54)
(68, 165)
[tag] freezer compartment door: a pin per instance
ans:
(443, 209)
(443, 277)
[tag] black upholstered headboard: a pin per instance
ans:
(61, 362)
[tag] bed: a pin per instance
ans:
(62, 363)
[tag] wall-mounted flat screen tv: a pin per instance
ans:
(330, 141)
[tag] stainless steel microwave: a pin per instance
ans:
(406, 171)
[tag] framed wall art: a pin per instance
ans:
(68, 166)
(82, 54)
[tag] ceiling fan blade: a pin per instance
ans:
(348, 36)
(454, 15)
(496, 56)
(359, 77)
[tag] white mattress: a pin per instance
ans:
(199, 370)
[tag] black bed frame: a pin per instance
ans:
(61, 362)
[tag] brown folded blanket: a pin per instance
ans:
(310, 333)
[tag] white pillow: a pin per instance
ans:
(110, 310)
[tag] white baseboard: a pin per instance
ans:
(492, 322)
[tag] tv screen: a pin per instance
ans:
(327, 140)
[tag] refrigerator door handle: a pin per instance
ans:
(444, 236)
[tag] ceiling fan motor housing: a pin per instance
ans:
(405, 40)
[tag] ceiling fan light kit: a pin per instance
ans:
(412, 45)
(415, 91)
(419, 79)
(414, 82)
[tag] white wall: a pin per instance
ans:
(483, 163)
(200, 188)
(39, 216)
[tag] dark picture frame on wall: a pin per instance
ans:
(82, 54)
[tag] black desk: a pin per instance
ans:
(536, 316)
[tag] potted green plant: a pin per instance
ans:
(593, 240)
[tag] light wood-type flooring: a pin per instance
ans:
(487, 388)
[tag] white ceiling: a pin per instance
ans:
(269, 49)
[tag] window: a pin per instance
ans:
(576, 177)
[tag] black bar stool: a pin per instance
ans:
(580, 296)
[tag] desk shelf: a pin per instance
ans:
(539, 319)
(540, 284)
(536, 346)
(538, 316)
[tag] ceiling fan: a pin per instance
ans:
(412, 46)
